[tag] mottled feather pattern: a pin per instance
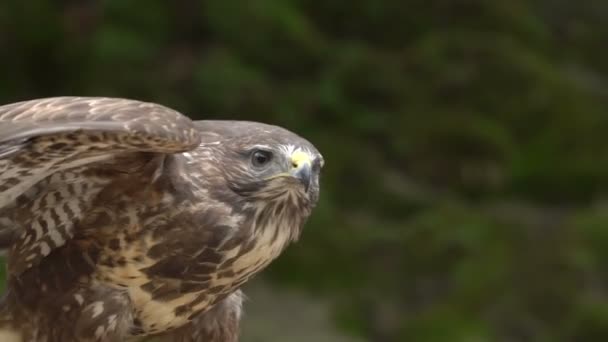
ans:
(47, 222)
(63, 133)
(163, 126)
(43, 134)
(93, 314)
(220, 324)
(126, 219)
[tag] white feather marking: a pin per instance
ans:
(50, 222)
(44, 248)
(99, 332)
(210, 143)
(112, 322)
(97, 309)
(63, 216)
(37, 228)
(290, 150)
(56, 237)
(261, 146)
(159, 171)
(79, 298)
(74, 207)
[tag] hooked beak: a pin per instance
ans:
(301, 168)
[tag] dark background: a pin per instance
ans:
(464, 192)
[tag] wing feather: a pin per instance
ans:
(37, 136)
(42, 141)
(63, 114)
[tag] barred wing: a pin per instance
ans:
(40, 139)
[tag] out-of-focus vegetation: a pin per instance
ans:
(464, 194)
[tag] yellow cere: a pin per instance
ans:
(299, 158)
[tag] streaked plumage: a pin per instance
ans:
(125, 219)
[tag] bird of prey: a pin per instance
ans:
(124, 219)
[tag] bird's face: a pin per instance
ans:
(268, 163)
(280, 169)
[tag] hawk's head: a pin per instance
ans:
(264, 164)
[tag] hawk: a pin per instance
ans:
(125, 219)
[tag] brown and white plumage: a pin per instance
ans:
(125, 219)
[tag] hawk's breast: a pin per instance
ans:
(162, 303)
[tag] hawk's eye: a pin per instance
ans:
(261, 158)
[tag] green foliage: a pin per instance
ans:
(465, 141)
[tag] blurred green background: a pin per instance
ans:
(466, 142)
